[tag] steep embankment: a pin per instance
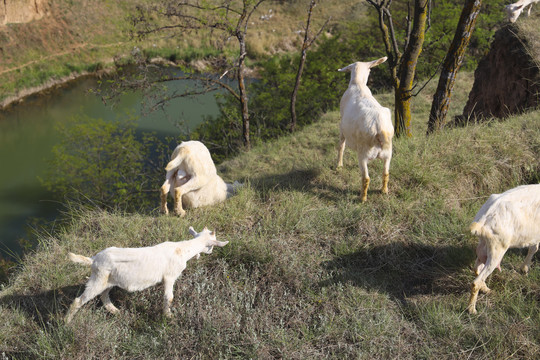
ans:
(22, 11)
(45, 42)
(310, 272)
(507, 80)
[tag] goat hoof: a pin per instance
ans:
(525, 269)
(471, 310)
(112, 309)
(180, 213)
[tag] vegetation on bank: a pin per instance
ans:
(309, 272)
(88, 35)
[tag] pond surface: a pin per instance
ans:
(28, 133)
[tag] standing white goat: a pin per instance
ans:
(507, 220)
(136, 269)
(514, 10)
(366, 126)
(192, 179)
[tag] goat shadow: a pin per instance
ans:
(47, 308)
(43, 307)
(307, 180)
(403, 270)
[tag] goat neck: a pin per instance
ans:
(359, 81)
(193, 248)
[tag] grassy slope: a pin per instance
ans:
(310, 272)
(74, 37)
(79, 36)
(528, 28)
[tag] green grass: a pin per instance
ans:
(68, 40)
(35, 53)
(310, 272)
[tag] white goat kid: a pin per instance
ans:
(192, 179)
(136, 269)
(366, 126)
(507, 220)
(514, 10)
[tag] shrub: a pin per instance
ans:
(104, 163)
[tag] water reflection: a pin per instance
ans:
(28, 133)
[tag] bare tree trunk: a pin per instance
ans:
(303, 55)
(295, 90)
(242, 90)
(402, 112)
(407, 70)
(402, 66)
(452, 63)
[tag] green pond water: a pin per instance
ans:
(28, 133)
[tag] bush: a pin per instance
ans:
(104, 163)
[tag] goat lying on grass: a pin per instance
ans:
(192, 179)
(366, 126)
(507, 220)
(136, 269)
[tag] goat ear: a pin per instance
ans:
(346, 68)
(378, 62)
(212, 233)
(192, 231)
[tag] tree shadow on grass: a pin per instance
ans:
(403, 270)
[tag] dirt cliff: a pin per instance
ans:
(507, 80)
(22, 11)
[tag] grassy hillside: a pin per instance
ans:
(310, 272)
(85, 36)
(528, 30)
(74, 37)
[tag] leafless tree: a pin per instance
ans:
(308, 41)
(452, 63)
(230, 18)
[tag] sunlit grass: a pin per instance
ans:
(310, 272)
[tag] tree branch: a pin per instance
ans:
(202, 80)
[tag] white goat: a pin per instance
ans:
(136, 269)
(507, 220)
(192, 179)
(514, 10)
(366, 126)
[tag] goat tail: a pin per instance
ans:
(385, 139)
(80, 259)
(177, 158)
(478, 229)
